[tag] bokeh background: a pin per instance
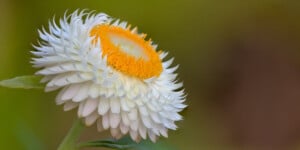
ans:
(239, 60)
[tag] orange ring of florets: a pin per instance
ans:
(124, 62)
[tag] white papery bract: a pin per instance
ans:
(71, 61)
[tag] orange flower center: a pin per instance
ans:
(128, 52)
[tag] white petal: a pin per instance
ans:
(59, 99)
(114, 120)
(133, 115)
(134, 135)
(175, 116)
(169, 124)
(151, 107)
(93, 91)
(134, 125)
(167, 63)
(163, 55)
(130, 103)
(124, 129)
(143, 110)
(115, 132)
(181, 106)
(152, 136)
(89, 107)
(99, 125)
(103, 106)
(91, 119)
(124, 105)
(80, 109)
(70, 105)
(125, 118)
(173, 69)
(163, 131)
(146, 121)
(47, 78)
(155, 117)
(143, 132)
(115, 105)
(71, 92)
(105, 122)
(82, 93)
(51, 88)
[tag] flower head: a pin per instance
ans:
(110, 72)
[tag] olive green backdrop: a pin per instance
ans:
(193, 31)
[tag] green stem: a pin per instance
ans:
(69, 142)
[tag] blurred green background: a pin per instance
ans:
(198, 33)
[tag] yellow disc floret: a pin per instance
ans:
(127, 51)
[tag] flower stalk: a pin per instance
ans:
(69, 142)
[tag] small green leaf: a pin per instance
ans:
(24, 82)
(126, 144)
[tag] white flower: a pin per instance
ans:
(111, 73)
